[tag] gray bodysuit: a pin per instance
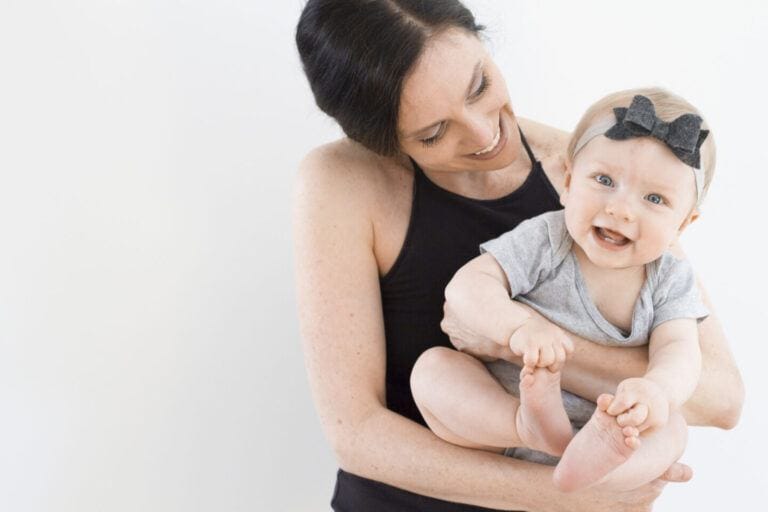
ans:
(543, 272)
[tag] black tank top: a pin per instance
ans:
(444, 232)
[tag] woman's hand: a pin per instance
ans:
(636, 500)
(473, 343)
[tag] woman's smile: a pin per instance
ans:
(496, 146)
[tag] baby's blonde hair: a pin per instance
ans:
(668, 107)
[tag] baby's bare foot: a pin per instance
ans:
(542, 422)
(600, 447)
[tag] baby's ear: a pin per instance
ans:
(689, 219)
(566, 182)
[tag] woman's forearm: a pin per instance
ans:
(392, 449)
(717, 401)
(594, 369)
(719, 395)
(389, 448)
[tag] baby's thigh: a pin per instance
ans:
(441, 368)
(443, 376)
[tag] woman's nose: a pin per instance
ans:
(620, 209)
(482, 131)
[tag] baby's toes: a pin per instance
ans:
(631, 437)
(604, 401)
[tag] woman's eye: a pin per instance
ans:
(655, 198)
(431, 141)
(604, 180)
(485, 82)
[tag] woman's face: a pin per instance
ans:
(455, 113)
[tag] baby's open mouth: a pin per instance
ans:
(612, 237)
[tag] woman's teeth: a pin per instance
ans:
(494, 142)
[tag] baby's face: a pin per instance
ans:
(627, 201)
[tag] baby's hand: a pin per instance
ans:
(542, 344)
(640, 403)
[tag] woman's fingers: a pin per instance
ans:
(677, 472)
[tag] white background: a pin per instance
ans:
(149, 351)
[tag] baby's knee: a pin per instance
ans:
(431, 369)
(430, 365)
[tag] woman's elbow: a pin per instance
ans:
(732, 406)
(347, 438)
(723, 408)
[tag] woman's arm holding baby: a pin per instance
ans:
(592, 369)
(719, 395)
(673, 372)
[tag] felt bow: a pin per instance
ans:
(683, 136)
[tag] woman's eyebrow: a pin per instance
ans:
(475, 74)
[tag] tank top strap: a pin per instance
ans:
(527, 147)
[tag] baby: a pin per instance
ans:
(639, 164)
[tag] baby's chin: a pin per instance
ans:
(621, 261)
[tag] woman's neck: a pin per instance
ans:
(484, 185)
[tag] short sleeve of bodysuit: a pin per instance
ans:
(524, 253)
(675, 294)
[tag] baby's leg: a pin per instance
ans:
(599, 448)
(461, 402)
(606, 454)
(541, 418)
(465, 405)
(659, 449)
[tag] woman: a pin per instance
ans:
(435, 162)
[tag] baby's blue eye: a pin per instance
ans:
(604, 180)
(655, 198)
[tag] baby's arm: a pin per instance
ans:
(480, 292)
(674, 359)
(673, 373)
(487, 312)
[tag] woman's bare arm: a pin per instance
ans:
(343, 339)
(595, 369)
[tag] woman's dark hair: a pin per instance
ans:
(357, 53)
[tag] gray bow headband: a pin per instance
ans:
(683, 136)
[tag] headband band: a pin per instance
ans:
(683, 136)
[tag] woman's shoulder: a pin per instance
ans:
(347, 166)
(345, 190)
(354, 180)
(549, 144)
